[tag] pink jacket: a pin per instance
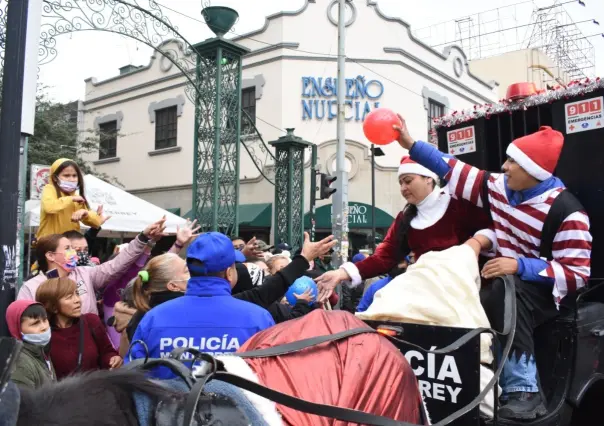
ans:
(89, 279)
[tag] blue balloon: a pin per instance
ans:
(300, 286)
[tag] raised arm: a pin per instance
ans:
(382, 261)
(464, 181)
(110, 271)
(274, 287)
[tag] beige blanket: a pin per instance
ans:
(440, 289)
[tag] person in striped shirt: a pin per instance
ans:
(547, 273)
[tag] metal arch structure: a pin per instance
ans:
(127, 18)
(216, 164)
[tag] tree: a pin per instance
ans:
(56, 135)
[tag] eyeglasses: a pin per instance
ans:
(239, 247)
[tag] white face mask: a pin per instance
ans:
(38, 339)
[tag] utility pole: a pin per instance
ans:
(16, 122)
(313, 191)
(339, 218)
(372, 198)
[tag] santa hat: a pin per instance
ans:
(538, 152)
(408, 166)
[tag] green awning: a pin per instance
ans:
(174, 210)
(359, 216)
(256, 215)
(251, 215)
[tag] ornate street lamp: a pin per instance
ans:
(289, 189)
(217, 125)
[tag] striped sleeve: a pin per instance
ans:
(571, 251)
(466, 182)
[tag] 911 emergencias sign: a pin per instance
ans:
(461, 141)
(584, 115)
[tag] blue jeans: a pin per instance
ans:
(534, 307)
(519, 375)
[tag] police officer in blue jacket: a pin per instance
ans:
(207, 317)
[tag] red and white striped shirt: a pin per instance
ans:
(518, 229)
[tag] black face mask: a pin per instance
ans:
(84, 259)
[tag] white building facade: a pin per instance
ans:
(288, 82)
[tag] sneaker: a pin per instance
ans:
(522, 406)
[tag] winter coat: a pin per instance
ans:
(271, 291)
(56, 212)
(33, 367)
(207, 318)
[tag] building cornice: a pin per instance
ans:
(478, 97)
(269, 18)
(263, 50)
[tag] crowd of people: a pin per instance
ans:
(224, 290)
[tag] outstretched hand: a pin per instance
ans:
(251, 250)
(307, 296)
(156, 230)
(187, 233)
(312, 250)
(328, 282)
(101, 214)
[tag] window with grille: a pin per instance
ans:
(108, 140)
(248, 104)
(435, 110)
(165, 128)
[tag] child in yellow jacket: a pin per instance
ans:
(63, 205)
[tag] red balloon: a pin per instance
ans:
(378, 126)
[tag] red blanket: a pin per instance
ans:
(364, 372)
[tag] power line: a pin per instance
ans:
(329, 55)
(250, 38)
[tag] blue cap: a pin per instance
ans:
(214, 250)
(239, 257)
(284, 246)
(358, 257)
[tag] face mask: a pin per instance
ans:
(39, 339)
(68, 186)
(71, 260)
(84, 259)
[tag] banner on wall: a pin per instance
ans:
(39, 177)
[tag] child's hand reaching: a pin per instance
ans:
(307, 296)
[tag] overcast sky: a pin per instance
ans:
(96, 54)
